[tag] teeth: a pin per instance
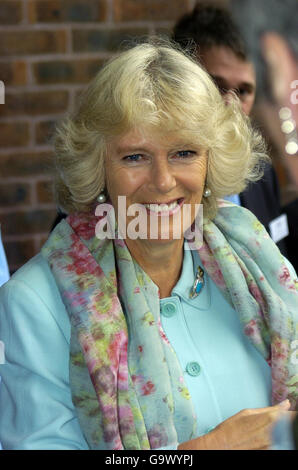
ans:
(161, 207)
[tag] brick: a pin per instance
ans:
(56, 11)
(94, 40)
(25, 164)
(66, 71)
(13, 134)
(18, 253)
(149, 10)
(13, 73)
(12, 194)
(44, 131)
(45, 193)
(27, 222)
(32, 42)
(10, 12)
(34, 103)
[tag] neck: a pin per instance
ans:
(161, 261)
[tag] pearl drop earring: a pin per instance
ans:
(101, 198)
(207, 192)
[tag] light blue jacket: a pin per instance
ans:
(36, 409)
(37, 413)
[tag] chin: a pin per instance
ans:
(164, 241)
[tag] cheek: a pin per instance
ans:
(121, 181)
(247, 106)
(250, 99)
(196, 178)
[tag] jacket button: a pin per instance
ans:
(193, 369)
(169, 309)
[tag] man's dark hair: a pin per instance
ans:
(206, 26)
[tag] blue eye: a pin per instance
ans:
(185, 153)
(133, 158)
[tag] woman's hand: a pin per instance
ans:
(250, 429)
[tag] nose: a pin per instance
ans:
(162, 176)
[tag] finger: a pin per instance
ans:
(283, 405)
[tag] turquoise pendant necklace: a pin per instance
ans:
(198, 283)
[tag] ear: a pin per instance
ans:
(282, 71)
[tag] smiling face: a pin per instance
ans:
(231, 73)
(163, 172)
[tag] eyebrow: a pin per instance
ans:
(223, 84)
(129, 149)
(178, 146)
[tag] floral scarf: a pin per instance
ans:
(126, 381)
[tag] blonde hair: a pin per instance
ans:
(154, 84)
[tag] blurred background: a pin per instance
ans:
(49, 50)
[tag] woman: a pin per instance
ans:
(133, 340)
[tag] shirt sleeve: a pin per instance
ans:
(36, 409)
(282, 434)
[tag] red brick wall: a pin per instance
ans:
(49, 49)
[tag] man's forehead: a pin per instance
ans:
(222, 62)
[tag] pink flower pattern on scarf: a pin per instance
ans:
(129, 394)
